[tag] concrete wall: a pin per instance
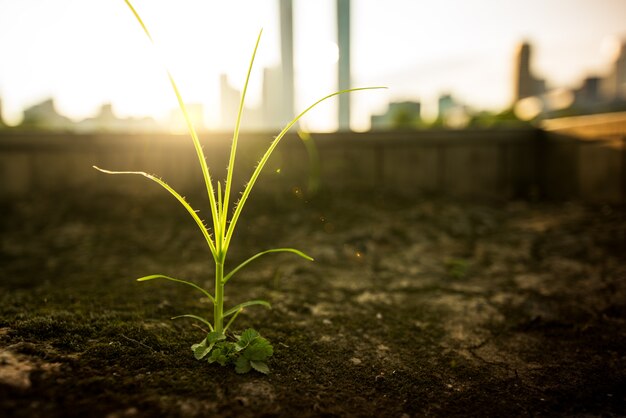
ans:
(497, 163)
(599, 126)
(585, 157)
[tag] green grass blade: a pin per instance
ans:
(254, 257)
(204, 321)
(178, 197)
(246, 304)
(233, 149)
(202, 159)
(219, 195)
(268, 153)
(195, 286)
(145, 29)
(232, 319)
(192, 132)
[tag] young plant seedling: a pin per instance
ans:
(247, 350)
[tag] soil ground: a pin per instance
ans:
(425, 307)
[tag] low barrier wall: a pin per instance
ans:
(496, 163)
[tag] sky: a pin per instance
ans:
(88, 52)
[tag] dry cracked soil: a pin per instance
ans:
(413, 307)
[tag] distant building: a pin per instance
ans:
(526, 84)
(444, 104)
(285, 102)
(229, 103)
(399, 115)
(452, 114)
(589, 94)
(229, 106)
(277, 108)
(343, 66)
(45, 116)
(614, 85)
(274, 112)
(104, 120)
(270, 115)
(107, 121)
(600, 94)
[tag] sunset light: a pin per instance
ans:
(312, 208)
(84, 54)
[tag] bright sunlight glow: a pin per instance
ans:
(87, 53)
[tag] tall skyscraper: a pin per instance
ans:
(286, 52)
(523, 77)
(343, 76)
(526, 85)
(278, 107)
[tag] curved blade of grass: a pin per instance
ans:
(232, 319)
(233, 149)
(219, 195)
(195, 286)
(201, 158)
(268, 153)
(192, 132)
(254, 257)
(178, 197)
(199, 318)
(145, 29)
(245, 304)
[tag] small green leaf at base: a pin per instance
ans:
(259, 350)
(247, 337)
(200, 350)
(260, 366)
(242, 365)
(251, 351)
(219, 355)
(215, 336)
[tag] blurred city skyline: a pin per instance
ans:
(85, 54)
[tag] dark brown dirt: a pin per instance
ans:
(412, 308)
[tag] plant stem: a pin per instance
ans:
(218, 306)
